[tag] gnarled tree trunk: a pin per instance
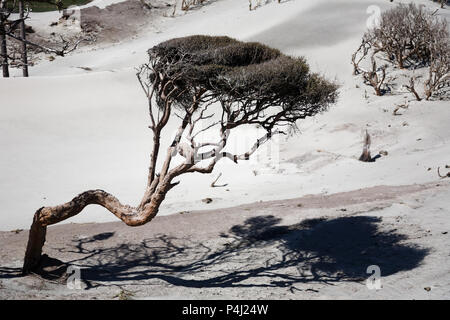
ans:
(3, 48)
(365, 156)
(157, 185)
(132, 216)
(23, 34)
(157, 188)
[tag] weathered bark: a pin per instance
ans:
(365, 156)
(411, 88)
(154, 157)
(157, 188)
(400, 60)
(36, 240)
(372, 78)
(50, 215)
(152, 181)
(24, 44)
(3, 49)
(418, 98)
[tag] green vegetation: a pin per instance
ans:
(38, 6)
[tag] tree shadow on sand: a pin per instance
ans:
(257, 253)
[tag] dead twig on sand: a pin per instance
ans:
(444, 176)
(365, 156)
(213, 184)
(397, 108)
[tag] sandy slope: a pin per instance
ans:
(314, 247)
(74, 130)
(65, 130)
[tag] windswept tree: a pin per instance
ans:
(409, 37)
(403, 36)
(207, 84)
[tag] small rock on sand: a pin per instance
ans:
(207, 200)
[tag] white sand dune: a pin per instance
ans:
(314, 247)
(65, 130)
(68, 130)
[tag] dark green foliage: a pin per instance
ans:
(251, 76)
(202, 59)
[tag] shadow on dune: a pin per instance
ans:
(257, 253)
(8, 272)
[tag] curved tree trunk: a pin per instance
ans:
(157, 184)
(155, 193)
(46, 216)
(36, 240)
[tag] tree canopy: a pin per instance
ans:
(250, 76)
(251, 83)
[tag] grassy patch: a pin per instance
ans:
(43, 7)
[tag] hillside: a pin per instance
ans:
(80, 122)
